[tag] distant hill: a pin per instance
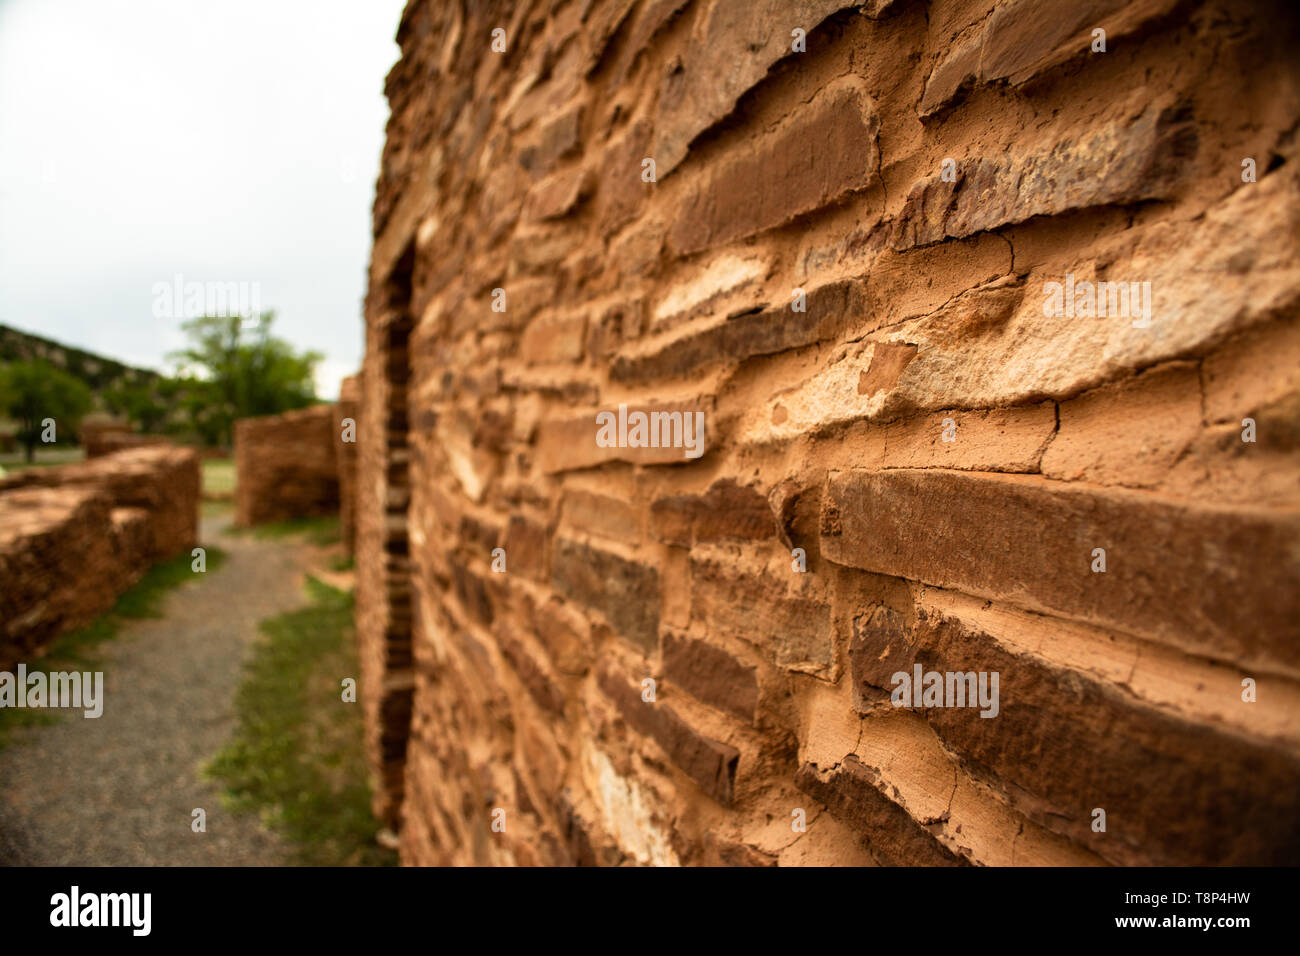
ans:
(96, 371)
(121, 394)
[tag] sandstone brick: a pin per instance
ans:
(1252, 371)
(346, 455)
(478, 535)
(1210, 580)
(602, 23)
(711, 674)
(710, 763)
(726, 510)
(635, 253)
(676, 578)
(538, 98)
(526, 296)
(626, 592)
(629, 810)
(827, 842)
(604, 515)
(830, 309)
(739, 854)
(957, 71)
(721, 279)
(538, 250)
(555, 339)
(576, 833)
(1146, 767)
(730, 51)
(559, 137)
(891, 833)
(1124, 162)
(1004, 439)
(541, 685)
(526, 543)
(1219, 467)
(1024, 38)
(1201, 293)
(649, 21)
(560, 194)
(569, 444)
(1129, 433)
(781, 179)
(566, 636)
(567, 385)
(471, 592)
(783, 612)
(622, 190)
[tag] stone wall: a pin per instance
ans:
(72, 538)
(287, 466)
(864, 243)
(98, 436)
(346, 457)
(107, 442)
(384, 614)
(104, 438)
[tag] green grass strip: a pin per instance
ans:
(297, 757)
(321, 531)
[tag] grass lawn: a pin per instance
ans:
(218, 478)
(297, 757)
(45, 457)
(320, 531)
(75, 651)
(213, 509)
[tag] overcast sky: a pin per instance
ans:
(224, 140)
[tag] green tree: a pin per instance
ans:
(141, 402)
(33, 391)
(193, 400)
(236, 371)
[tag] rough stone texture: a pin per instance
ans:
(287, 466)
(105, 439)
(783, 178)
(1123, 163)
(908, 456)
(385, 600)
(349, 407)
(1035, 540)
(72, 538)
(1145, 768)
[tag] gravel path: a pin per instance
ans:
(120, 790)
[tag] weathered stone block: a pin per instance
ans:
(626, 592)
(710, 674)
(1211, 580)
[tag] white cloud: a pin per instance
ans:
(234, 141)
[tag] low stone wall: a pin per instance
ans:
(286, 466)
(73, 538)
(105, 443)
(96, 436)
